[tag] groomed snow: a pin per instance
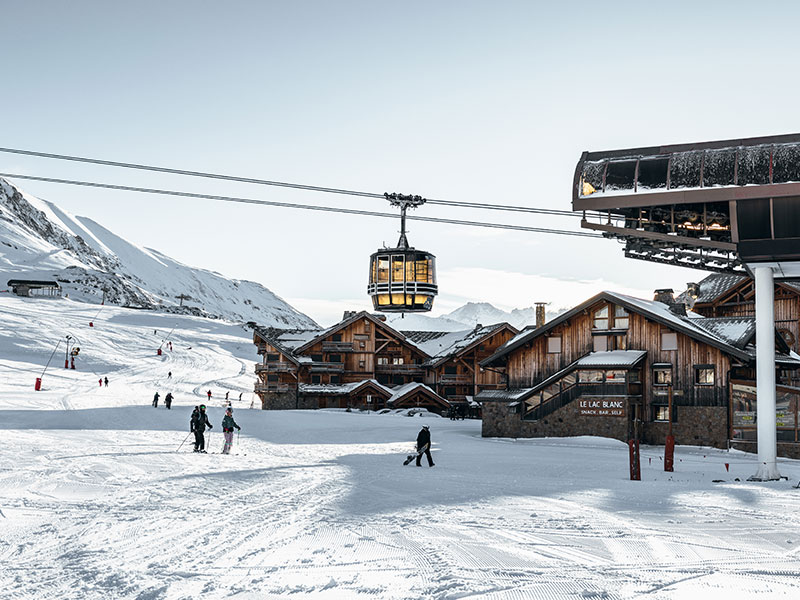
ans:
(96, 503)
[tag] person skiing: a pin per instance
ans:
(240, 396)
(106, 380)
(169, 375)
(198, 426)
(209, 395)
(226, 395)
(228, 425)
(100, 381)
(424, 445)
(155, 400)
(168, 400)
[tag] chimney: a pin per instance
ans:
(666, 296)
(540, 314)
(349, 314)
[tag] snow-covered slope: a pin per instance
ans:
(473, 313)
(41, 241)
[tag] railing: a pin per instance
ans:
(262, 348)
(326, 367)
(455, 379)
(276, 367)
(337, 347)
(553, 403)
(400, 369)
(266, 388)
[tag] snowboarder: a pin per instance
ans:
(424, 445)
(106, 380)
(155, 400)
(168, 400)
(228, 424)
(209, 395)
(198, 426)
(169, 375)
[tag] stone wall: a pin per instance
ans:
(286, 401)
(696, 426)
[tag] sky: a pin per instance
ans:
(487, 102)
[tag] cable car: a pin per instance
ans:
(402, 279)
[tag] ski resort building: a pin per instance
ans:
(621, 367)
(34, 287)
(363, 362)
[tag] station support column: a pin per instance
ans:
(765, 376)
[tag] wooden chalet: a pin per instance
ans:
(729, 295)
(320, 368)
(613, 365)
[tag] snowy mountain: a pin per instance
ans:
(38, 240)
(473, 313)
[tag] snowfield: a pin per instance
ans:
(96, 501)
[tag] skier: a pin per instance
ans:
(155, 400)
(226, 395)
(170, 346)
(424, 441)
(228, 425)
(168, 400)
(169, 375)
(106, 380)
(100, 381)
(198, 426)
(209, 395)
(240, 396)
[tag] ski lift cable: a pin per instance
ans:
(313, 188)
(333, 209)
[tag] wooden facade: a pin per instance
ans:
(626, 358)
(297, 365)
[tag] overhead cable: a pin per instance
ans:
(299, 186)
(334, 209)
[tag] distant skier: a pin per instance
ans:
(106, 380)
(169, 375)
(226, 395)
(209, 395)
(155, 400)
(100, 381)
(424, 445)
(168, 400)
(228, 424)
(170, 346)
(198, 426)
(240, 396)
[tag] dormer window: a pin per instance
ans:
(610, 316)
(601, 318)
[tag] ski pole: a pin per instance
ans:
(183, 442)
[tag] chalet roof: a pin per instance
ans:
(512, 395)
(737, 331)
(32, 283)
(286, 341)
(344, 389)
(441, 345)
(403, 391)
(717, 335)
(716, 285)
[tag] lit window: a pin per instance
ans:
(601, 318)
(669, 341)
(704, 375)
(383, 360)
(397, 361)
(662, 376)
(554, 344)
(661, 413)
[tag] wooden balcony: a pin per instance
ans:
(326, 367)
(262, 348)
(401, 369)
(338, 347)
(276, 367)
(450, 379)
(272, 388)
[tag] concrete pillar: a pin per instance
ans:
(765, 376)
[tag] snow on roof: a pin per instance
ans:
(737, 331)
(287, 340)
(340, 390)
(402, 390)
(715, 285)
(612, 358)
(442, 344)
(514, 394)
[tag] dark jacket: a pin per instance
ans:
(424, 437)
(228, 423)
(199, 422)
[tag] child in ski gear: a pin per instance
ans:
(423, 440)
(155, 400)
(228, 425)
(168, 400)
(198, 426)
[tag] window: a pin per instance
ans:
(590, 376)
(660, 413)
(669, 341)
(601, 318)
(615, 376)
(451, 370)
(620, 318)
(362, 364)
(335, 379)
(554, 344)
(362, 344)
(367, 325)
(449, 391)
(273, 357)
(704, 374)
(316, 357)
(662, 376)
(334, 358)
(272, 378)
(383, 360)
(315, 379)
(397, 361)
(618, 342)
(337, 337)
(600, 343)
